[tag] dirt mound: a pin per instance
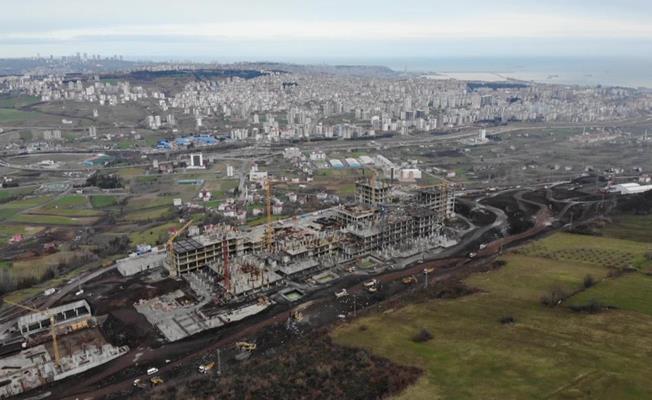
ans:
(127, 327)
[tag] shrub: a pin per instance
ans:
(507, 319)
(422, 336)
(592, 307)
(588, 281)
(556, 296)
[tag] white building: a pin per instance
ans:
(409, 174)
(630, 188)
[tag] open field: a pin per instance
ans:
(151, 236)
(547, 353)
(631, 292)
(103, 201)
(41, 219)
(609, 252)
(11, 193)
(70, 201)
(66, 212)
(9, 116)
(7, 231)
(147, 214)
(11, 208)
(38, 266)
(17, 101)
(630, 227)
(138, 203)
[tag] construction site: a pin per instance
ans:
(49, 345)
(217, 276)
(234, 272)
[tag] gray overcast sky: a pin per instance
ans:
(321, 29)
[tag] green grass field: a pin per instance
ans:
(11, 193)
(630, 227)
(150, 236)
(139, 203)
(130, 172)
(17, 101)
(7, 231)
(592, 250)
(628, 292)
(66, 212)
(9, 116)
(47, 219)
(103, 201)
(147, 214)
(11, 208)
(70, 201)
(548, 353)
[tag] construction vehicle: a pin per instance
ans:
(428, 270)
(296, 315)
(370, 283)
(156, 380)
(246, 346)
(53, 330)
(409, 280)
(205, 368)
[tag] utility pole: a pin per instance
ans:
(219, 363)
(425, 284)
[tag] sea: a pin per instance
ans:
(634, 72)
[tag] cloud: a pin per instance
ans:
(491, 26)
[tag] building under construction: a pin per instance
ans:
(372, 191)
(440, 199)
(49, 345)
(246, 260)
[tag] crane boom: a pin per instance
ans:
(53, 329)
(170, 244)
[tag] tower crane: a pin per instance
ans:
(269, 229)
(53, 330)
(170, 243)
